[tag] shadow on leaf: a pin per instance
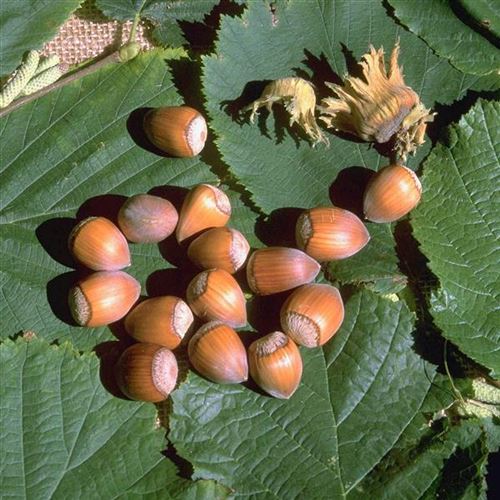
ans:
(57, 295)
(105, 205)
(108, 354)
(278, 228)
(264, 311)
(169, 282)
(53, 235)
(136, 131)
(251, 92)
(201, 36)
(348, 188)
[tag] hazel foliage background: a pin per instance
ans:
(375, 413)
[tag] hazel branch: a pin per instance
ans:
(123, 54)
(111, 58)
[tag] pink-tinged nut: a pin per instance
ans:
(145, 218)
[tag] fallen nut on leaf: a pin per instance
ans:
(299, 100)
(379, 106)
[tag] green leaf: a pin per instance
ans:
(463, 477)
(165, 16)
(376, 265)
(64, 436)
(123, 10)
(439, 25)
(243, 219)
(447, 464)
(433, 456)
(458, 228)
(483, 15)
(26, 25)
(358, 393)
(276, 164)
(75, 151)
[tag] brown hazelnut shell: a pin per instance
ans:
(147, 372)
(160, 320)
(275, 364)
(103, 298)
(99, 245)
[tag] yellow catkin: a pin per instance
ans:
(20, 78)
(46, 63)
(43, 79)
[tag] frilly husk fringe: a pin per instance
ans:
(379, 107)
(298, 98)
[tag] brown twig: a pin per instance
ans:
(114, 57)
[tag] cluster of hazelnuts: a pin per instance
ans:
(310, 316)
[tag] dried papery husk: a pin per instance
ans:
(299, 99)
(378, 107)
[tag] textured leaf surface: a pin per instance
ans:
(450, 464)
(312, 39)
(165, 16)
(440, 25)
(123, 10)
(463, 475)
(458, 227)
(26, 25)
(73, 152)
(64, 436)
(360, 392)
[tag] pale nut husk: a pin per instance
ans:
(276, 269)
(103, 298)
(393, 191)
(145, 218)
(204, 207)
(147, 372)
(275, 364)
(299, 99)
(160, 320)
(215, 295)
(217, 352)
(379, 106)
(220, 247)
(312, 314)
(330, 233)
(99, 245)
(177, 130)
